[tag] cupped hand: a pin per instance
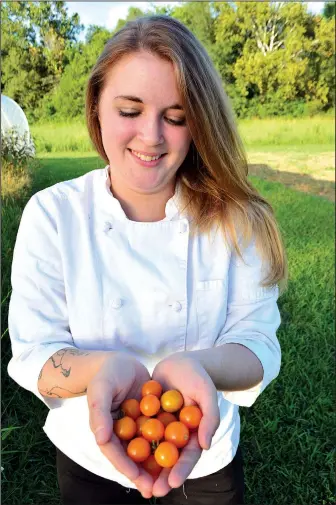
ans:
(183, 372)
(119, 377)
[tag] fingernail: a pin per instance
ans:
(146, 492)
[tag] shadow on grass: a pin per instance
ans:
(300, 182)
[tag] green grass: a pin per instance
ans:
(271, 134)
(287, 435)
(318, 132)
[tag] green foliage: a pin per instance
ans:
(274, 58)
(198, 17)
(36, 39)
(285, 58)
(68, 99)
(329, 10)
(133, 13)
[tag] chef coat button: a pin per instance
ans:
(107, 226)
(183, 227)
(116, 303)
(177, 306)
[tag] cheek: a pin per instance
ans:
(116, 134)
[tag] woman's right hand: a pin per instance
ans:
(118, 378)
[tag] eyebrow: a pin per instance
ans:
(176, 106)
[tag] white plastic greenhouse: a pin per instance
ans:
(13, 116)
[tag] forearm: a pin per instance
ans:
(232, 367)
(68, 372)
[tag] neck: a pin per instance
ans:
(142, 207)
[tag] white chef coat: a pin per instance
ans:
(86, 276)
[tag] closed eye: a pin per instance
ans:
(135, 114)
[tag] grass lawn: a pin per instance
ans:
(287, 435)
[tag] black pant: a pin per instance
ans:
(81, 487)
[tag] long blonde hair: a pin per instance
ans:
(214, 186)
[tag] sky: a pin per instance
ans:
(107, 13)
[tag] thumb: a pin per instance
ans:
(210, 419)
(99, 396)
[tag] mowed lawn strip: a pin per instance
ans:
(287, 435)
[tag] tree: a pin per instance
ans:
(229, 41)
(199, 18)
(68, 99)
(329, 10)
(133, 13)
(269, 53)
(36, 39)
(136, 12)
(321, 81)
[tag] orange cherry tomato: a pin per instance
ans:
(150, 405)
(125, 428)
(177, 433)
(151, 466)
(153, 430)
(172, 400)
(138, 449)
(152, 388)
(191, 416)
(166, 455)
(139, 423)
(131, 408)
(166, 418)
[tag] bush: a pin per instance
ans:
(16, 149)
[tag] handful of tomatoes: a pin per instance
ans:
(157, 427)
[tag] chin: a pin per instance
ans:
(150, 185)
(147, 188)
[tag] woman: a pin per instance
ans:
(165, 264)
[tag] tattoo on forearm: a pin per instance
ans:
(57, 362)
(56, 392)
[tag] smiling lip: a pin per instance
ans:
(146, 154)
(147, 164)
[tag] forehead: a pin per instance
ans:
(145, 75)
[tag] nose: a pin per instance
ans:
(150, 131)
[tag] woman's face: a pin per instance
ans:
(158, 125)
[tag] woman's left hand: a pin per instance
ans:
(183, 372)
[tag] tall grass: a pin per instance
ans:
(273, 133)
(279, 133)
(61, 137)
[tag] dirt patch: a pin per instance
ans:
(313, 174)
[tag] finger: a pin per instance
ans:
(99, 397)
(161, 486)
(117, 456)
(210, 421)
(186, 462)
(144, 482)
